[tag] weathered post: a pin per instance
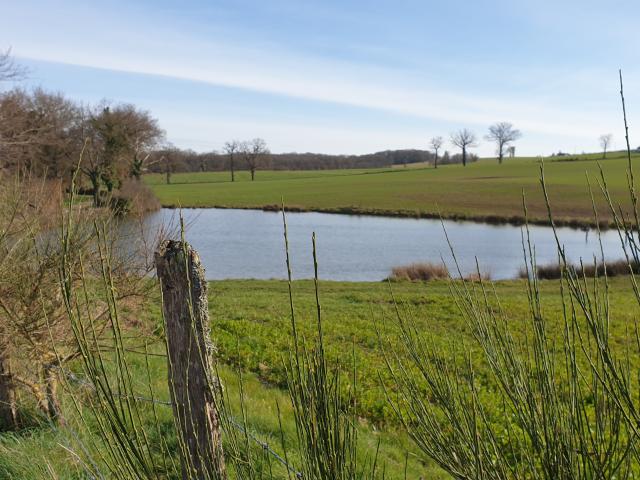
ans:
(190, 354)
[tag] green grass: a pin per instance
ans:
(483, 190)
(256, 313)
(245, 176)
(251, 328)
(30, 454)
(37, 451)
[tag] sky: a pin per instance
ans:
(342, 76)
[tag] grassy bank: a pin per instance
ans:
(483, 191)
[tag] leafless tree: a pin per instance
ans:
(231, 149)
(9, 70)
(511, 150)
(255, 153)
(605, 141)
(37, 132)
(436, 144)
(503, 134)
(464, 139)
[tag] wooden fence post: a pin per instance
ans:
(190, 354)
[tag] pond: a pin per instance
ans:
(250, 244)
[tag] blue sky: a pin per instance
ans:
(348, 76)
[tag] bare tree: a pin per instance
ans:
(9, 70)
(503, 134)
(436, 144)
(464, 139)
(511, 150)
(37, 131)
(255, 153)
(232, 148)
(605, 141)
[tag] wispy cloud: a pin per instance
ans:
(362, 86)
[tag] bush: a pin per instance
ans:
(134, 197)
(419, 271)
(553, 271)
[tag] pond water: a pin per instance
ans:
(250, 244)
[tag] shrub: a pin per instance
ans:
(134, 197)
(553, 271)
(419, 271)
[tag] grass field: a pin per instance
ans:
(251, 328)
(482, 191)
(256, 314)
(28, 453)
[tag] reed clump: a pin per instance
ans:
(423, 271)
(553, 271)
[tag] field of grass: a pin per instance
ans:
(482, 191)
(42, 449)
(251, 322)
(251, 328)
(29, 454)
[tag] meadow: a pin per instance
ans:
(483, 190)
(251, 323)
(41, 449)
(251, 327)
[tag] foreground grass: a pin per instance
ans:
(43, 451)
(482, 191)
(251, 327)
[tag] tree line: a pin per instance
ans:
(46, 134)
(234, 159)
(50, 135)
(253, 155)
(502, 134)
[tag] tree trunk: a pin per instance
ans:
(464, 157)
(95, 184)
(253, 174)
(233, 177)
(136, 169)
(435, 162)
(190, 355)
(51, 393)
(8, 412)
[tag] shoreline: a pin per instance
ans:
(514, 220)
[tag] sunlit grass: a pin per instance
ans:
(482, 190)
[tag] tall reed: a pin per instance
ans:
(561, 402)
(325, 420)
